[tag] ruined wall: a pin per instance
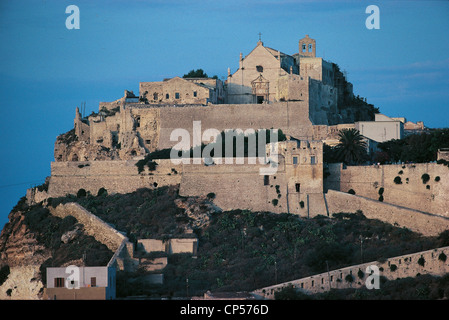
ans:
(175, 91)
(115, 176)
(367, 181)
(406, 266)
(424, 223)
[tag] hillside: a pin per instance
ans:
(238, 250)
(242, 250)
(34, 237)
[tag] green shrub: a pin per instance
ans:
(275, 202)
(211, 195)
(437, 178)
(398, 180)
(351, 191)
(81, 193)
(381, 191)
(381, 198)
(102, 192)
(393, 267)
(349, 278)
(4, 273)
(442, 257)
(425, 178)
(421, 261)
(301, 204)
(360, 274)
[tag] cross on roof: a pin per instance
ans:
(260, 34)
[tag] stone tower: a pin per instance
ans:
(307, 47)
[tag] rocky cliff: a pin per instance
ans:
(32, 240)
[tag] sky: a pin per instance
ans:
(47, 70)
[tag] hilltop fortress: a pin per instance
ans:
(305, 96)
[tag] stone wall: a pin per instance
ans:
(170, 246)
(93, 225)
(417, 221)
(405, 266)
(291, 117)
(116, 176)
(367, 181)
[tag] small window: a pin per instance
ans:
(138, 121)
(312, 160)
(59, 282)
(259, 68)
(147, 141)
(310, 48)
(298, 187)
(295, 160)
(195, 93)
(176, 95)
(93, 282)
(155, 96)
(303, 47)
(167, 96)
(266, 180)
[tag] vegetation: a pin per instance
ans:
(198, 73)
(4, 273)
(214, 147)
(351, 149)
(239, 248)
(419, 148)
(425, 178)
(48, 231)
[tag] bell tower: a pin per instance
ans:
(307, 47)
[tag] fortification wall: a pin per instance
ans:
(366, 181)
(405, 266)
(417, 221)
(93, 225)
(236, 186)
(115, 176)
(243, 186)
(291, 117)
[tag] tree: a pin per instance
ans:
(199, 73)
(351, 148)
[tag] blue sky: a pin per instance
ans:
(47, 70)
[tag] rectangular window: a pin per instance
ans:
(147, 141)
(138, 121)
(298, 187)
(312, 160)
(176, 95)
(93, 282)
(59, 282)
(167, 96)
(195, 93)
(266, 180)
(295, 160)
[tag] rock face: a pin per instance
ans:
(198, 210)
(18, 245)
(21, 251)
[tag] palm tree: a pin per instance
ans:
(351, 148)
